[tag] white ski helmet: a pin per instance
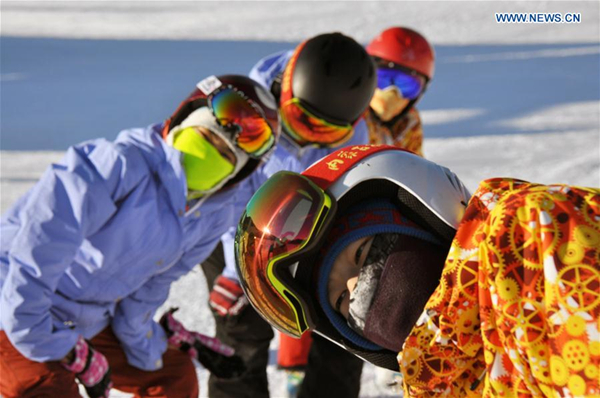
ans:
(279, 237)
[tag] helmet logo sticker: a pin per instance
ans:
(348, 153)
(326, 171)
(333, 165)
(209, 84)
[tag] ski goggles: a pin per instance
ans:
(306, 127)
(240, 115)
(280, 227)
(410, 85)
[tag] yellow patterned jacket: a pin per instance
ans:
(516, 310)
(406, 133)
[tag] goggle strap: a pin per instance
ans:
(325, 172)
(286, 81)
(186, 107)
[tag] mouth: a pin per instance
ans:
(388, 103)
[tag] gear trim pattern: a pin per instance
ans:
(519, 298)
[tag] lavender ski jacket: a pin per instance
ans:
(97, 242)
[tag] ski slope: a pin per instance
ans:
(518, 100)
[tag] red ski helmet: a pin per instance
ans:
(406, 48)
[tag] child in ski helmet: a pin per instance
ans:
(405, 66)
(90, 252)
(387, 254)
(235, 109)
(405, 63)
(324, 91)
(323, 87)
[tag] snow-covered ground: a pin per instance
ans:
(518, 100)
(444, 22)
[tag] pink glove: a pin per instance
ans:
(227, 297)
(215, 356)
(91, 368)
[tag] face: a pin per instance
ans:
(388, 103)
(344, 274)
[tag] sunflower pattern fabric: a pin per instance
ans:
(405, 133)
(516, 310)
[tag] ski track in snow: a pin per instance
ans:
(560, 142)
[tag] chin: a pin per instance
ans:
(388, 114)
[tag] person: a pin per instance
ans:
(323, 88)
(405, 66)
(386, 253)
(89, 253)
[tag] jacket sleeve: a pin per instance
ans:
(72, 200)
(268, 68)
(242, 196)
(144, 341)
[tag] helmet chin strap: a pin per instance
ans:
(203, 117)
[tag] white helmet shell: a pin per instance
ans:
(435, 186)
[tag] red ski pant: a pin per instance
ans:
(293, 353)
(21, 377)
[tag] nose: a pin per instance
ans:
(351, 283)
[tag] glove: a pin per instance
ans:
(91, 369)
(227, 297)
(215, 356)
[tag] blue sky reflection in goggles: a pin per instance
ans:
(409, 85)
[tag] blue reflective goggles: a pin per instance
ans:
(409, 85)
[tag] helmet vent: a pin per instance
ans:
(408, 204)
(356, 83)
(456, 184)
(416, 211)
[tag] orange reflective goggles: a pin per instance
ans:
(234, 111)
(282, 224)
(308, 128)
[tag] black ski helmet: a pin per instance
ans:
(334, 77)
